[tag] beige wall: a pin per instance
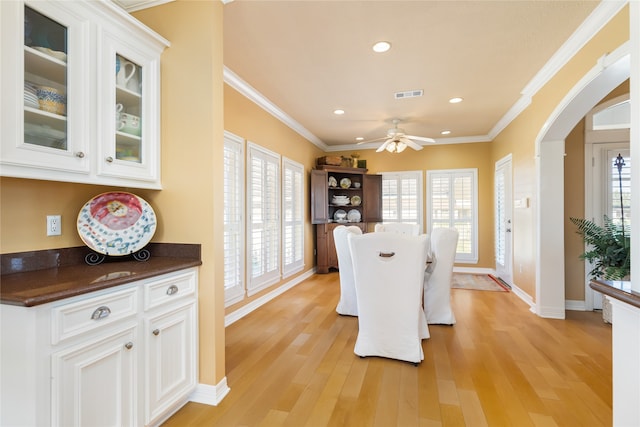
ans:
(436, 157)
(519, 138)
(247, 120)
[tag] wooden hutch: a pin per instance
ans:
(348, 182)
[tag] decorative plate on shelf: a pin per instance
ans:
(333, 183)
(116, 223)
(345, 183)
(356, 200)
(354, 215)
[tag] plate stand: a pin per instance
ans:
(94, 258)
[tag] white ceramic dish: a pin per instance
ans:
(333, 183)
(61, 56)
(340, 215)
(356, 200)
(354, 215)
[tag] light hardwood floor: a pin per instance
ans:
(291, 363)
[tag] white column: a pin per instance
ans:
(550, 269)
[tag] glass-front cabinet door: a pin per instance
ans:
(129, 141)
(41, 103)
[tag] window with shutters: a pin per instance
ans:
(402, 197)
(233, 218)
(263, 227)
(292, 217)
(452, 202)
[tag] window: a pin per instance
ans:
(263, 230)
(233, 218)
(402, 197)
(292, 217)
(619, 188)
(453, 202)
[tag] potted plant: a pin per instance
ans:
(608, 251)
(608, 248)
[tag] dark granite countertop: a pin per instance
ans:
(39, 277)
(618, 289)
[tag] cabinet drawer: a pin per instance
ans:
(169, 288)
(83, 316)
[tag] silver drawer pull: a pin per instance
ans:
(128, 345)
(101, 312)
(387, 254)
(156, 332)
(172, 290)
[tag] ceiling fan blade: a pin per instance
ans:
(421, 138)
(383, 146)
(411, 143)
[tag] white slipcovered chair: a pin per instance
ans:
(388, 270)
(398, 227)
(348, 304)
(437, 285)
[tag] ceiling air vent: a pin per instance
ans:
(408, 94)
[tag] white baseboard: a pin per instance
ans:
(210, 394)
(474, 270)
(575, 305)
(258, 302)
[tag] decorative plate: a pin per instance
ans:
(333, 182)
(345, 183)
(116, 223)
(356, 200)
(354, 215)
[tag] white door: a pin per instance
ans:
(503, 220)
(606, 191)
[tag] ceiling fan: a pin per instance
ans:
(396, 140)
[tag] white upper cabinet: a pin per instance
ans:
(81, 94)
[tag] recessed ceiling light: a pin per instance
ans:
(359, 138)
(381, 47)
(445, 132)
(455, 100)
(338, 112)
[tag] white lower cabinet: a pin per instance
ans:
(95, 384)
(120, 357)
(171, 345)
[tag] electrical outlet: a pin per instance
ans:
(54, 225)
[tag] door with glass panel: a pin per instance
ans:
(503, 220)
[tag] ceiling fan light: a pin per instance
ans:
(391, 147)
(400, 146)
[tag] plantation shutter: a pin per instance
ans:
(233, 218)
(292, 217)
(263, 231)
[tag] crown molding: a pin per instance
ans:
(602, 14)
(233, 80)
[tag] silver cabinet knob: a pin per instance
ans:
(109, 159)
(80, 154)
(172, 290)
(128, 345)
(156, 332)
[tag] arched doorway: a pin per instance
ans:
(610, 72)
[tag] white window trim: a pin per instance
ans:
(256, 284)
(473, 257)
(419, 179)
(297, 265)
(236, 293)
